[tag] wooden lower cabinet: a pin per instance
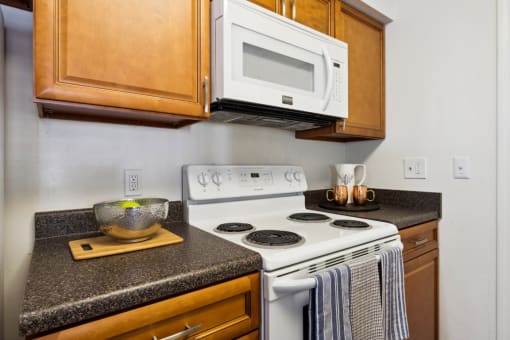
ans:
(229, 310)
(421, 268)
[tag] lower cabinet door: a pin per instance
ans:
(421, 285)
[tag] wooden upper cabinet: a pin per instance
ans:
(316, 14)
(21, 4)
(365, 38)
(272, 5)
(147, 58)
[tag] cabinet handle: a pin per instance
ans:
(293, 4)
(181, 334)
(206, 100)
(343, 123)
(284, 5)
(420, 242)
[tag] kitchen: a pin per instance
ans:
(433, 109)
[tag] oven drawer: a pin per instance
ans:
(419, 239)
(223, 311)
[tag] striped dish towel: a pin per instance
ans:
(366, 309)
(328, 310)
(393, 295)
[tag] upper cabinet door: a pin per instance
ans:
(272, 5)
(316, 14)
(365, 38)
(148, 55)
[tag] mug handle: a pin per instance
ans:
(364, 173)
(373, 195)
(327, 195)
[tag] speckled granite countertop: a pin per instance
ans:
(402, 208)
(61, 292)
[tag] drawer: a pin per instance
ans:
(419, 239)
(224, 311)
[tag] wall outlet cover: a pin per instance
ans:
(132, 182)
(415, 167)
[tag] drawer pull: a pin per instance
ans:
(420, 242)
(180, 335)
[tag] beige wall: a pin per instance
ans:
(53, 165)
(441, 102)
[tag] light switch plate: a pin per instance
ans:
(415, 167)
(461, 167)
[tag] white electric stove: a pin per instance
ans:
(263, 208)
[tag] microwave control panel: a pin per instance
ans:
(338, 69)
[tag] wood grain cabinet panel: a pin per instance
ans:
(272, 5)
(421, 270)
(149, 56)
(365, 38)
(225, 311)
(316, 14)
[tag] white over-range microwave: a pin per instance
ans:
(272, 71)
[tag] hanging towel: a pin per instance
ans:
(393, 295)
(366, 309)
(328, 310)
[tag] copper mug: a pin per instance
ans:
(360, 194)
(340, 194)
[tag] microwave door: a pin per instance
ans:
(271, 71)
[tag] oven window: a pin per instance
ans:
(272, 67)
(306, 323)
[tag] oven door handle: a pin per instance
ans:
(283, 286)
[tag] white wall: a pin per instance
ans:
(441, 101)
(54, 165)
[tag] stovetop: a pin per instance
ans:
(270, 212)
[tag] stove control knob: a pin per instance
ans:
(217, 178)
(297, 176)
(203, 179)
(288, 176)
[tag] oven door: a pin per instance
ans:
(286, 291)
(270, 60)
(286, 317)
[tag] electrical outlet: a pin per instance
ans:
(132, 182)
(415, 167)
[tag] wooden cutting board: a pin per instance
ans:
(98, 246)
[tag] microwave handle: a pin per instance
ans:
(329, 79)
